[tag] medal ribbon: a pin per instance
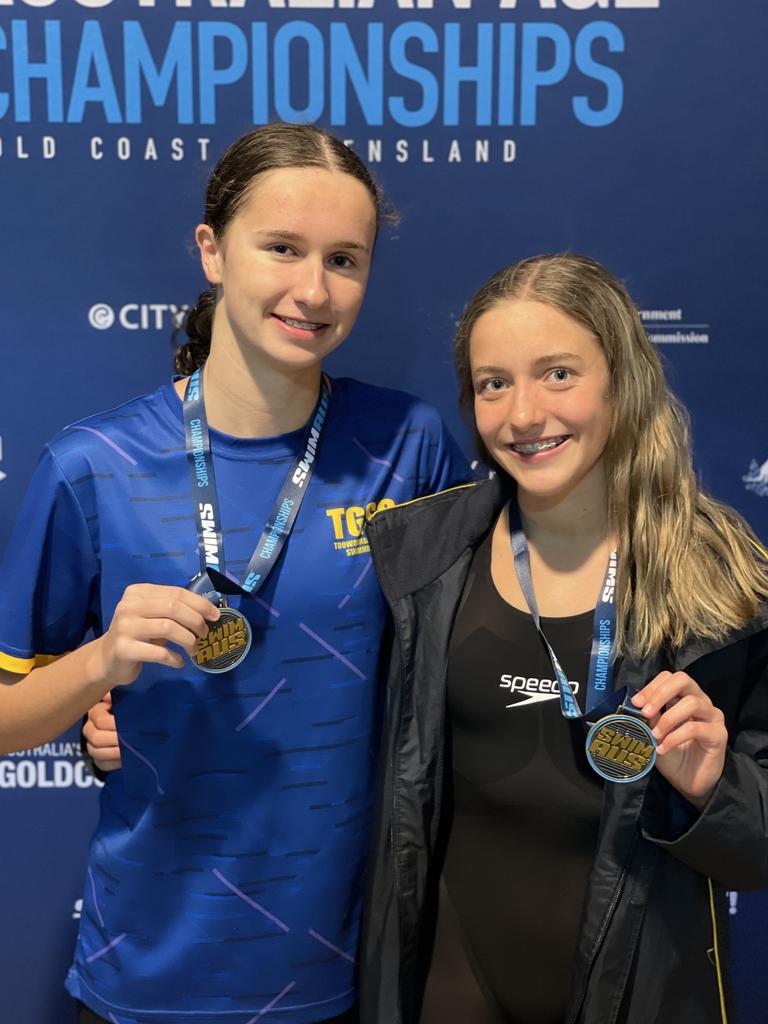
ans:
(603, 652)
(207, 514)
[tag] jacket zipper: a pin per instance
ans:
(601, 935)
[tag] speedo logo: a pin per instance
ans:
(208, 523)
(529, 690)
(310, 452)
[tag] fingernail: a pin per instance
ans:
(638, 700)
(648, 710)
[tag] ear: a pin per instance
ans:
(210, 253)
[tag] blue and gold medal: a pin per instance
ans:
(621, 747)
(227, 643)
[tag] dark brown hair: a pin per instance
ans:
(264, 149)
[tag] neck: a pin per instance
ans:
(251, 398)
(580, 517)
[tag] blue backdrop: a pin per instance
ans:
(631, 130)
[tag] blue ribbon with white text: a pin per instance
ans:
(207, 513)
(603, 651)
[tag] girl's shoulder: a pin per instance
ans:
(148, 419)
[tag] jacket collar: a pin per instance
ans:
(415, 543)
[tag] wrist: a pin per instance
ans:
(95, 673)
(699, 798)
(699, 802)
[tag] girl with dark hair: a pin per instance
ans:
(556, 845)
(223, 517)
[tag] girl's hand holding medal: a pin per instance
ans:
(690, 732)
(147, 619)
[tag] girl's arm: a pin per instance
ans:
(37, 707)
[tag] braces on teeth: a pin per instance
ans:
(302, 324)
(537, 446)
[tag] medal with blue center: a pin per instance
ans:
(229, 639)
(620, 747)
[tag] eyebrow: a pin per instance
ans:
(294, 236)
(487, 369)
(557, 357)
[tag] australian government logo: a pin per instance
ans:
(673, 327)
(56, 765)
(756, 479)
(402, 81)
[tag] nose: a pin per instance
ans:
(524, 412)
(310, 286)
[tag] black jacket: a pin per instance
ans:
(651, 945)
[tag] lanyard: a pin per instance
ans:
(207, 515)
(603, 652)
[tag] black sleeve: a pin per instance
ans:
(728, 839)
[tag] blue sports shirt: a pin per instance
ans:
(223, 880)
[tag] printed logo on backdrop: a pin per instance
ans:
(137, 316)
(56, 765)
(401, 68)
(671, 327)
(757, 478)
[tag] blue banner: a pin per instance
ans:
(630, 130)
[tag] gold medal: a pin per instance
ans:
(621, 748)
(227, 643)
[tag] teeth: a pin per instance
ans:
(303, 325)
(533, 447)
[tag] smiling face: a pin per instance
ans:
(541, 387)
(291, 267)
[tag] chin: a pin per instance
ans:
(297, 357)
(539, 483)
(306, 354)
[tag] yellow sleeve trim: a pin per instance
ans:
(427, 497)
(22, 666)
(716, 950)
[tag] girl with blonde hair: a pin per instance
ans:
(575, 754)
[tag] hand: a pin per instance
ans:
(100, 734)
(690, 732)
(146, 620)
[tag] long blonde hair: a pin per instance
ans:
(688, 565)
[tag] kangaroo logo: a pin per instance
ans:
(757, 478)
